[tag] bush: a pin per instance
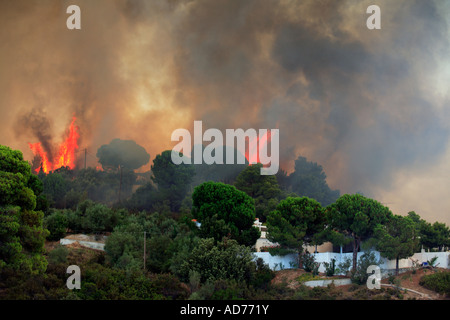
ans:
(432, 261)
(97, 218)
(330, 268)
(226, 260)
(277, 251)
(57, 224)
(261, 275)
(204, 293)
(360, 276)
(310, 264)
(316, 293)
(101, 283)
(58, 255)
(439, 282)
(322, 293)
(343, 267)
(229, 290)
(18, 286)
(222, 289)
(194, 280)
(92, 217)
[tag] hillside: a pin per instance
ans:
(408, 280)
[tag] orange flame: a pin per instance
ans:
(254, 146)
(66, 154)
(37, 150)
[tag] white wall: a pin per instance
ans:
(92, 245)
(443, 260)
(274, 261)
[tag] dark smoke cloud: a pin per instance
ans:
(369, 106)
(349, 80)
(39, 126)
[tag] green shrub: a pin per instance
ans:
(360, 276)
(316, 293)
(439, 282)
(277, 251)
(58, 255)
(204, 293)
(310, 264)
(330, 268)
(194, 280)
(221, 289)
(101, 283)
(432, 261)
(226, 260)
(343, 267)
(302, 293)
(32, 287)
(261, 275)
(322, 293)
(391, 278)
(228, 290)
(57, 224)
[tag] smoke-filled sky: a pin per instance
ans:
(370, 106)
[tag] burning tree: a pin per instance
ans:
(65, 156)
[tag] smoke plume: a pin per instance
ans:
(370, 106)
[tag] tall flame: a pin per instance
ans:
(37, 150)
(66, 153)
(66, 156)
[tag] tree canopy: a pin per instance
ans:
(224, 172)
(152, 238)
(22, 235)
(65, 188)
(263, 189)
(125, 153)
(295, 222)
(397, 239)
(223, 204)
(309, 180)
(167, 242)
(355, 217)
(436, 235)
(173, 180)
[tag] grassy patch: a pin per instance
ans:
(308, 277)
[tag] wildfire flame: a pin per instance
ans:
(37, 150)
(252, 153)
(66, 153)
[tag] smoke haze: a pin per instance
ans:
(370, 106)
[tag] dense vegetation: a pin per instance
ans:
(439, 282)
(159, 211)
